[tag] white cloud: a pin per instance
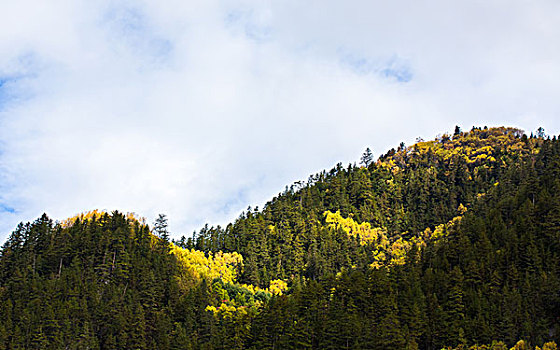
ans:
(198, 110)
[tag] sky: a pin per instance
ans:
(199, 109)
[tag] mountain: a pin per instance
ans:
(453, 242)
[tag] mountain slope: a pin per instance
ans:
(451, 242)
(495, 276)
(406, 195)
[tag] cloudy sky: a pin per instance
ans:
(198, 109)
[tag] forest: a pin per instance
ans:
(452, 243)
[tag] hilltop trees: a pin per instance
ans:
(446, 243)
(367, 158)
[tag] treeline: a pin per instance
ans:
(447, 243)
(105, 281)
(405, 192)
(95, 284)
(495, 277)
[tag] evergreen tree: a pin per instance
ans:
(367, 158)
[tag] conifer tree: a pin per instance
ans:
(367, 157)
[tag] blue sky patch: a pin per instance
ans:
(13, 84)
(402, 75)
(5, 93)
(244, 21)
(234, 201)
(11, 91)
(397, 69)
(6, 209)
(393, 68)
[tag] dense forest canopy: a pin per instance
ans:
(453, 242)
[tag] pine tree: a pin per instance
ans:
(367, 158)
(160, 227)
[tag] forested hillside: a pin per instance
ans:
(453, 242)
(406, 196)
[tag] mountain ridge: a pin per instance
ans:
(451, 242)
